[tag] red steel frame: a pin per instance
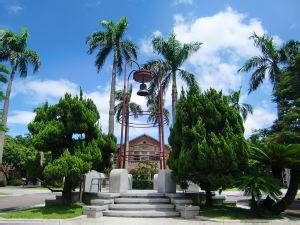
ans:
(125, 119)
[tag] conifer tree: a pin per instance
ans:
(207, 142)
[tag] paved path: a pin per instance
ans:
(139, 221)
(22, 197)
(24, 201)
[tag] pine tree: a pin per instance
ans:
(207, 142)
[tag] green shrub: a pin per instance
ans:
(142, 184)
(15, 182)
(2, 183)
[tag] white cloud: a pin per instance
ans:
(178, 2)
(14, 8)
(261, 118)
(145, 44)
(225, 38)
(20, 117)
(43, 90)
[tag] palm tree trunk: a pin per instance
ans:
(5, 113)
(111, 120)
(290, 195)
(174, 95)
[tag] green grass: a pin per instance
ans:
(231, 189)
(4, 194)
(234, 213)
(49, 212)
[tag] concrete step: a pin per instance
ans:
(141, 200)
(101, 201)
(148, 213)
(181, 201)
(140, 207)
(143, 195)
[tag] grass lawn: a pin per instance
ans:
(49, 212)
(4, 194)
(233, 213)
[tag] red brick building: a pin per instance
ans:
(141, 148)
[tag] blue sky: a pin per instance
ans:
(58, 30)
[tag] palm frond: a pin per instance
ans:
(96, 40)
(187, 77)
(121, 27)
(101, 57)
(33, 58)
(257, 77)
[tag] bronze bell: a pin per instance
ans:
(143, 90)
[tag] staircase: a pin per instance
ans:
(141, 205)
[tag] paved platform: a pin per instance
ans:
(140, 221)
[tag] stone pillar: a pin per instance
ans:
(155, 177)
(164, 182)
(129, 181)
(118, 181)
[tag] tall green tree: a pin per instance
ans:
(174, 55)
(70, 131)
(243, 108)
(111, 40)
(270, 62)
(20, 155)
(207, 141)
(287, 128)
(13, 49)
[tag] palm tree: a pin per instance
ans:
(13, 48)
(269, 63)
(3, 79)
(174, 55)
(111, 40)
(243, 108)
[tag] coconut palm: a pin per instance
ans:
(174, 55)
(270, 61)
(3, 79)
(13, 48)
(243, 108)
(111, 40)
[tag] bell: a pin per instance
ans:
(143, 90)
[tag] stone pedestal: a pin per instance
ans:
(94, 211)
(164, 182)
(189, 212)
(118, 181)
(155, 177)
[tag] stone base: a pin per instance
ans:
(189, 212)
(118, 181)
(164, 182)
(94, 211)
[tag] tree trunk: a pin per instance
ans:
(111, 121)
(5, 113)
(208, 197)
(67, 192)
(290, 195)
(174, 96)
